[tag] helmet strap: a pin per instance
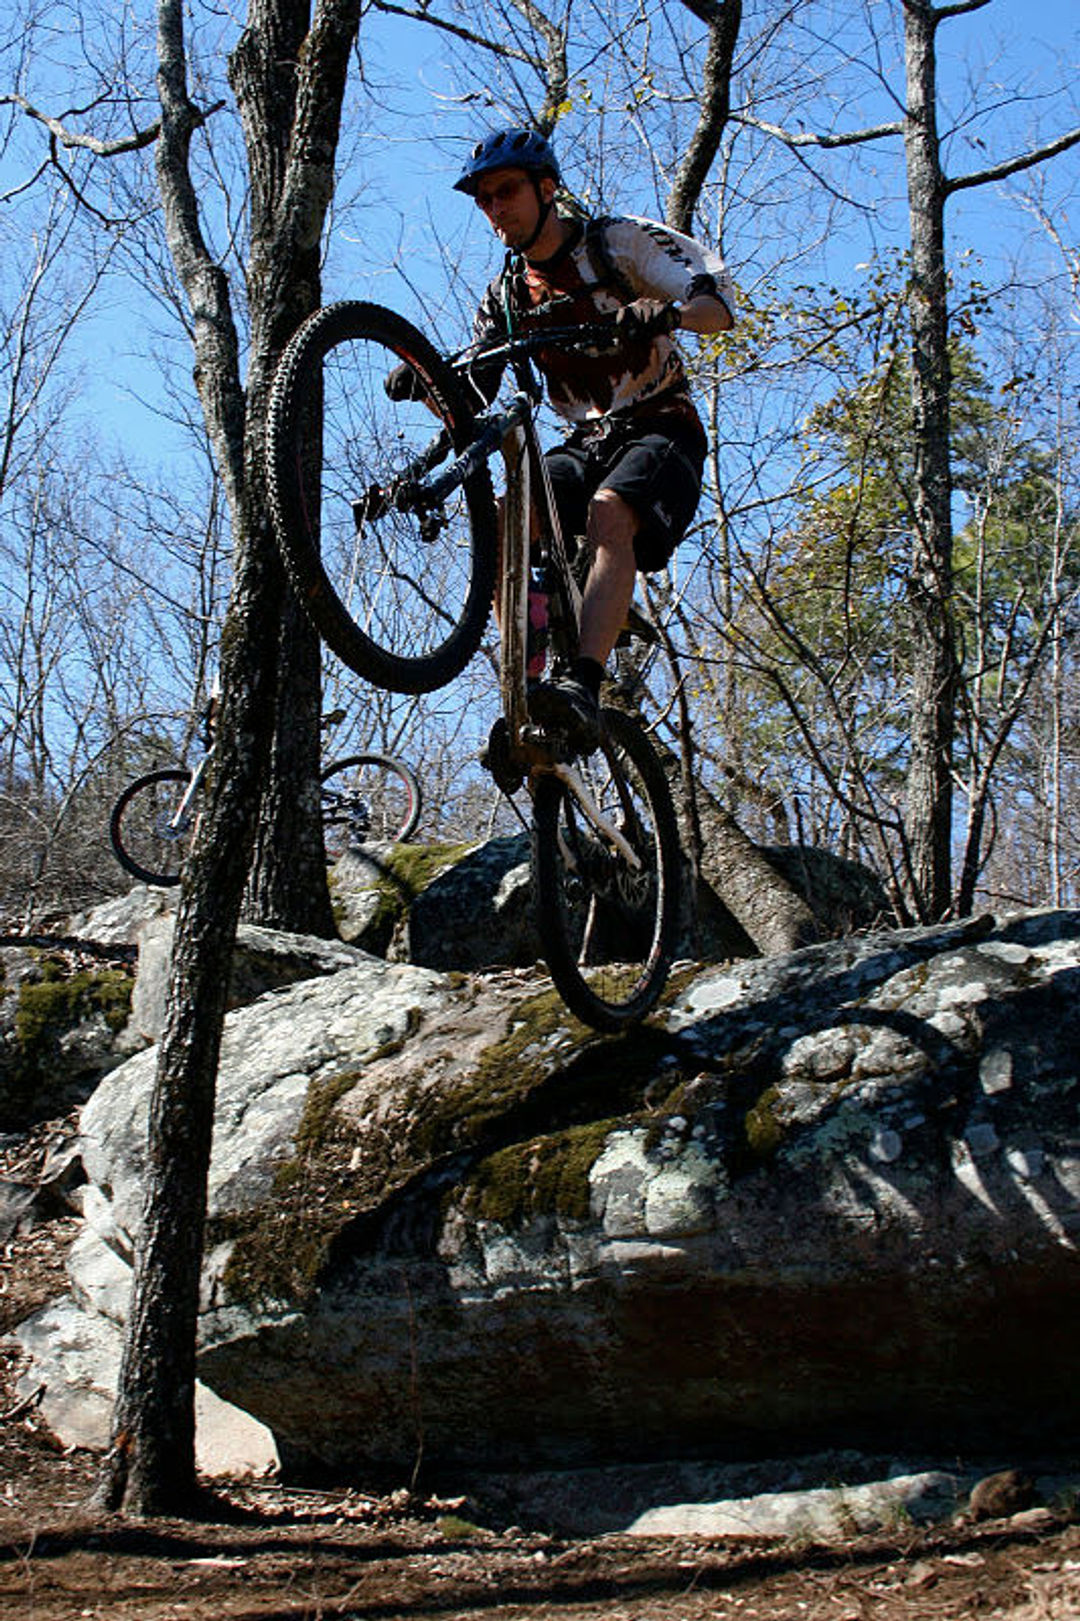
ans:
(545, 210)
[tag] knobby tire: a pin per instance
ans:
(401, 596)
(608, 932)
(138, 827)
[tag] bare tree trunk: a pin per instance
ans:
(287, 888)
(150, 1468)
(289, 81)
(933, 698)
(773, 914)
(1053, 766)
(770, 911)
(724, 19)
(935, 682)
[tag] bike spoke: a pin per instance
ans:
(607, 900)
(398, 587)
(394, 578)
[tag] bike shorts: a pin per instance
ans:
(658, 474)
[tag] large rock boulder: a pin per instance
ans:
(831, 1198)
(452, 907)
(469, 907)
(263, 960)
(64, 1014)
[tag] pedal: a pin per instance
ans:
(495, 757)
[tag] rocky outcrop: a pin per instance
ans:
(263, 960)
(73, 1006)
(831, 1198)
(451, 907)
(69, 1010)
(469, 907)
(64, 1014)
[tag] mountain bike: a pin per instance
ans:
(364, 797)
(384, 509)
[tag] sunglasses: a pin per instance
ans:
(505, 192)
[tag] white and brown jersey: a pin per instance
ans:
(591, 277)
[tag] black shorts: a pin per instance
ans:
(656, 473)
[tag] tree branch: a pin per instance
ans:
(92, 143)
(724, 22)
(958, 9)
(308, 182)
(555, 72)
(217, 361)
(68, 181)
(422, 15)
(1027, 160)
(852, 138)
(25, 185)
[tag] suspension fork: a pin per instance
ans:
(569, 592)
(188, 796)
(571, 779)
(513, 585)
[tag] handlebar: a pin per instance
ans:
(419, 487)
(598, 335)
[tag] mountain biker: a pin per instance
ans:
(628, 475)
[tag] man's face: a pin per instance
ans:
(509, 199)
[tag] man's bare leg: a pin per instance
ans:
(609, 588)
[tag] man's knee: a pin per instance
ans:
(613, 523)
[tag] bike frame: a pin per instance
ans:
(513, 431)
(522, 458)
(176, 821)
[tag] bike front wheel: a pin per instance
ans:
(608, 916)
(366, 797)
(398, 584)
(151, 826)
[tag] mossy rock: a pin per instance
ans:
(545, 1176)
(373, 889)
(513, 1135)
(61, 1039)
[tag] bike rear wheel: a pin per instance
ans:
(609, 927)
(150, 835)
(368, 797)
(400, 591)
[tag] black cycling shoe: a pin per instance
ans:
(495, 757)
(569, 707)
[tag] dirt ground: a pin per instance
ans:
(275, 1554)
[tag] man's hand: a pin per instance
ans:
(645, 319)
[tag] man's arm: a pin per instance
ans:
(701, 312)
(705, 314)
(484, 376)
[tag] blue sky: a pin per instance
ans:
(1010, 42)
(414, 218)
(410, 213)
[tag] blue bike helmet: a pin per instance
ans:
(508, 149)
